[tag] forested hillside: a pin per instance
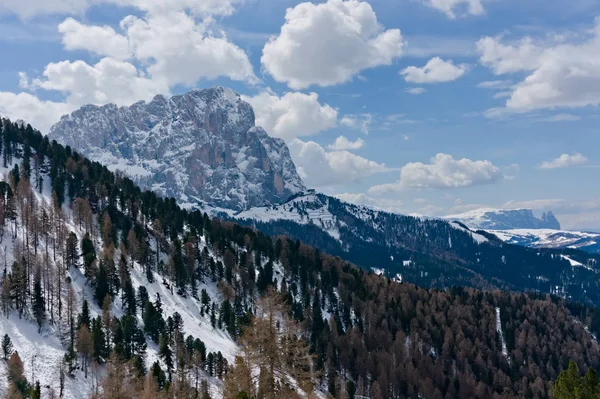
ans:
(429, 252)
(135, 297)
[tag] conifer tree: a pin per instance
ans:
(165, 353)
(84, 316)
(38, 302)
(7, 346)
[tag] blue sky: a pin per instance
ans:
(419, 106)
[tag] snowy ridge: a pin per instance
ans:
(199, 146)
(304, 209)
(478, 238)
(505, 219)
(548, 238)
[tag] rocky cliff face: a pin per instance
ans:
(202, 146)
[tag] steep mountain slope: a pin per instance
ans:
(427, 252)
(200, 146)
(368, 335)
(505, 219)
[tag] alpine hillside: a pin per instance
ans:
(109, 291)
(202, 146)
(424, 251)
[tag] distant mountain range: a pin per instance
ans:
(505, 219)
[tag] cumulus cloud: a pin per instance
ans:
(292, 115)
(449, 7)
(107, 81)
(560, 73)
(102, 40)
(329, 43)
(443, 172)
(40, 114)
(361, 122)
(390, 205)
(342, 143)
(435, 71)
(565, 161)
(321, 168)
(416, 91)
(181, 51)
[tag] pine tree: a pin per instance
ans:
(100, 350)
(590, 385)
(84, 316)
(102, 288)
(568, 383)
(165, 353)
(39, 306)
(36, 391)
(88, 251)
(71, 251)
(7, 346)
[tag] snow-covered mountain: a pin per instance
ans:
(199, 146)
(505, 219)
(548, 238)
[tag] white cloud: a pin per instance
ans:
(320, 168)
(448, 7)
(292, 115)
(342, 143)
(430, 210)
(442, 173)
(435, 71)
(361, 122)
(560, 118)
(107, 81)
(102, 40)
(416, 91)
(502, 94)
(502, 59)
(564, 161)
(390, 205)
(329, 43)
(561, 73)
(40, 114)
(495, 84)
(182, 51)
(202, 8)
(30, 8)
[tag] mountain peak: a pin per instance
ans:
(202, 145)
